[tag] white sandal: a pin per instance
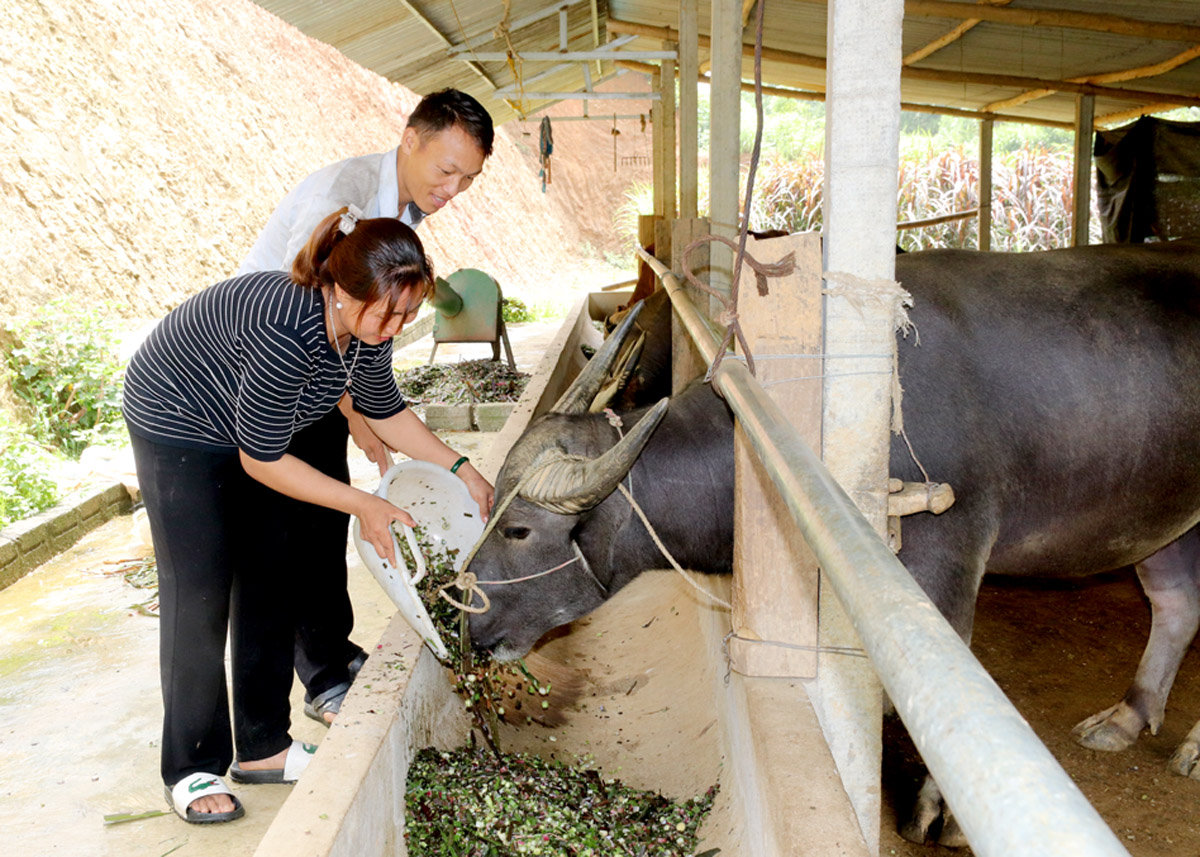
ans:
(195, 786)
(297, 759)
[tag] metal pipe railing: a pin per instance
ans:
(1007, 791)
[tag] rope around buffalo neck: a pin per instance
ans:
(470, 584)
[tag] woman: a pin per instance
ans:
(212, 399)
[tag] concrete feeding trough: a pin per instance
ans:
(646, 694)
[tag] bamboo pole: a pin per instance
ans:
(1109, 77)
(950, 37)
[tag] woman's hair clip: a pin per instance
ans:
(347, 221)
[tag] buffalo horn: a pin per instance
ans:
(578, 399)
(570, 486)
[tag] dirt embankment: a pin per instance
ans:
(142, 147)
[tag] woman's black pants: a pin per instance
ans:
(220, 548)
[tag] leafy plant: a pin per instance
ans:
(514, 311)
(64, 367)
(24, 489)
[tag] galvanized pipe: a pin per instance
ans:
(1007, 791)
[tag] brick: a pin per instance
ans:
(8, 552)
(31, 532)
(65, 520)
(491, 416)
(448, 417)
(65, 539)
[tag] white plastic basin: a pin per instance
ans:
(440, 503)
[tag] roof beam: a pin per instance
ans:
(1133, 113)
(950, 37)
(490, 35)
(1107, 77)
(1017, 82)
(574, 56)
(666, 34)
(1170, 32)
(811, 95)
(942, 76)
(429, 25)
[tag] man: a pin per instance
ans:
(448, 137)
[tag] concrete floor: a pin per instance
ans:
(79, 698)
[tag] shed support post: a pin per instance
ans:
(986, 129)
(689, 71)
(724, 146)
(656, 146)
(861, 153)
(665, 152)
(1085, 113)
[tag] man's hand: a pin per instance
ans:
(364, 438)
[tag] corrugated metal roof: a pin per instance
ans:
(430, 44)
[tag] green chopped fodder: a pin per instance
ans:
(491, 690)
(463, 383)
(473, 803)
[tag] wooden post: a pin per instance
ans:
(687, 363)
(662, 238)
(1085, 112)
(775, 577)
(986, 128)
(689, 71)
(656, 147)
(724, 141)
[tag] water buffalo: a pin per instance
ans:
(1057, 392)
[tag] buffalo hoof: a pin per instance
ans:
(952, 835)
(927, 810)
(1185, 761)
(1113, 729)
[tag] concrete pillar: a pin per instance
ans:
(724, 140)
(689, 71)
(986, 128)
(862, 129)
(1085, 114)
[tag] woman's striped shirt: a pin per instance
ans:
(245, 364)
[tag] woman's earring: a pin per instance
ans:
(338, 304)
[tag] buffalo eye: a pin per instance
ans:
(516, 532)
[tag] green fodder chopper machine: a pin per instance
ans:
(468, 308)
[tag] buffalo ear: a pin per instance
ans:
(569, 486)
(578, 399)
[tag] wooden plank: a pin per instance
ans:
(775, 576)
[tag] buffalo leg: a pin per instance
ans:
(1171, 580)
(950, 570)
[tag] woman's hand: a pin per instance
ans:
(481, 490)
(375, 517)
(365, 438)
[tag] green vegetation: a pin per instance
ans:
(471, 802)
(63, 367)
(462, 383)
(25, 490)
(514, 311)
